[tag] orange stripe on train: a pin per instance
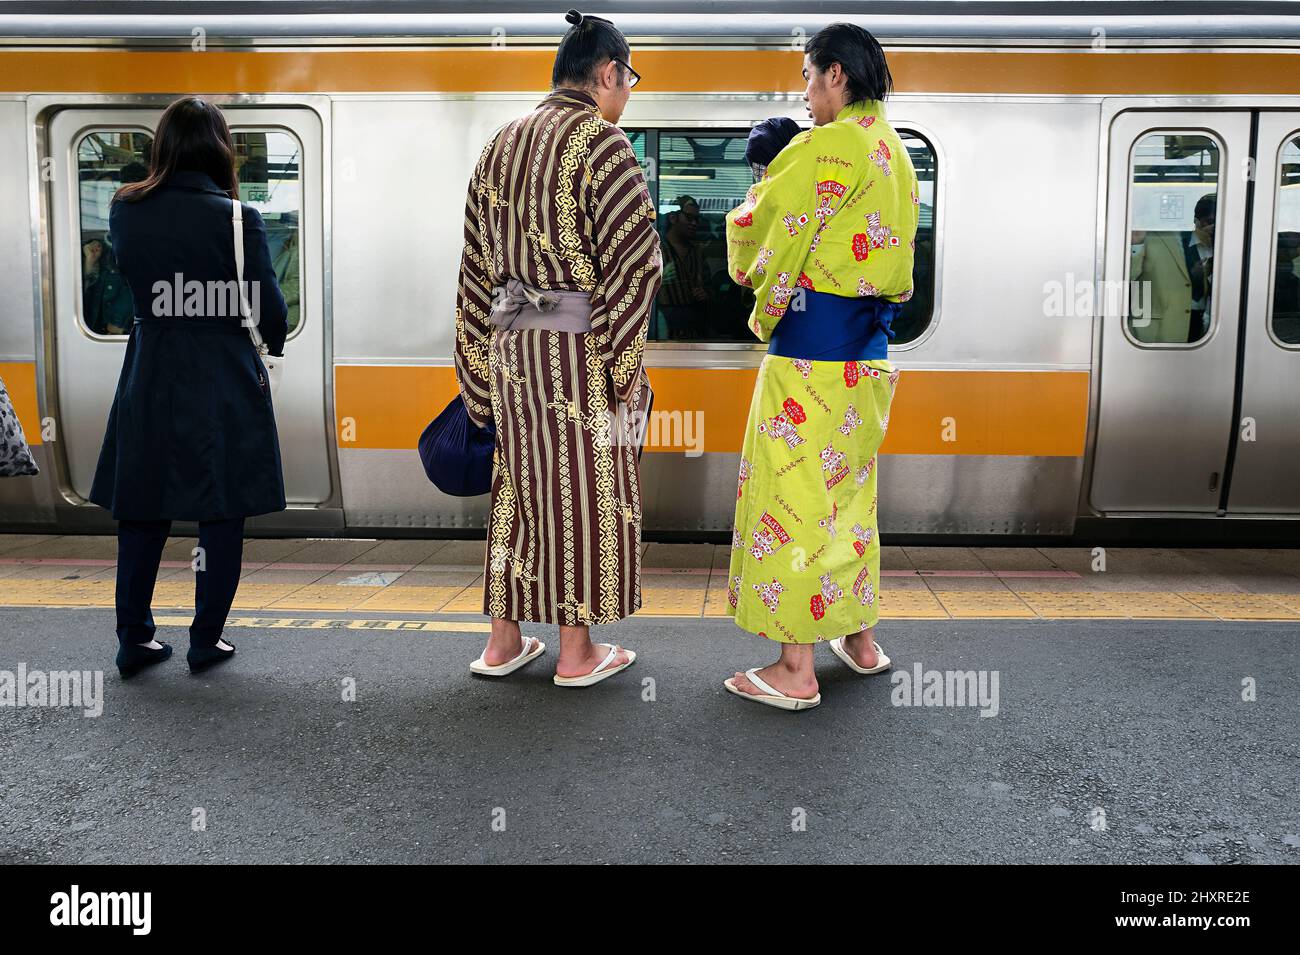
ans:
(20, 381)
(1033, 413)
(704, 70)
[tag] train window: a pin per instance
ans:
(1286, 273)
(106, 159)
(700, 177)
(268, 167)
(638, 138)
(919, 309)
(1174, 185)
(268, 163)
(696, 177)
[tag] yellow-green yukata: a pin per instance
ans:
(836, 213)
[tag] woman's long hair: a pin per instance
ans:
(192, 135)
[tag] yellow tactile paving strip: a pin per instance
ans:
(327, 623)
(911, 605)
(1150, 605)
(677, 593)
(982, 603)
(1235, 606)
(704, 597)
(411, 598)
(354, 578)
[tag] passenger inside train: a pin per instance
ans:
(105, 295)
(1179, 267)
(684, 297)
(1286, 289)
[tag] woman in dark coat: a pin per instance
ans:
(191, 435)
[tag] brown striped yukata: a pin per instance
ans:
(558, 201)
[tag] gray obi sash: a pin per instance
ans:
(518, 305)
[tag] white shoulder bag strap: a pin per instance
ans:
(274, 366)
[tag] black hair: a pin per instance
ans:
(192, 135)
(768, 138)
(1205, 204)
(859, 55)
(681, 202)
(587, 46)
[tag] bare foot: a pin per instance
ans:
(568, 667)
(505, 643)
(792, 684)
(861, 647)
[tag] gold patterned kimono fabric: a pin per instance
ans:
(558, 213)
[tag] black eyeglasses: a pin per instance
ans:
(636, 77)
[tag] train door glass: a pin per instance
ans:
(1284, 313)
(918, 311)
(1174, 191)
(1265, 472)
(276, 152)
(1175, 234)
(107, 159)
(269, 173)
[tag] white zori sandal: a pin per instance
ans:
(882, 662)
(770, 694)
(603, 669)
(533, 648)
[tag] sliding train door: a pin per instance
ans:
(1200, 349)
(279, 169)
(1265, 471)
(1175, 220)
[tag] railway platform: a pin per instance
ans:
(1128, 705)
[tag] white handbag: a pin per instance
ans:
(274, 365)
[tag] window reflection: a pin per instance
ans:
(685, 297)
(267, 164)
(917, 311)
(1173, 201)
(268, 167)
(1286, 272)
(701, 177)
(695, 179)
(106, 160)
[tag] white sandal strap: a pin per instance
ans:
(613, 652)
(763, 687)
(528, 643)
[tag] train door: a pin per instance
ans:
(1175, 233)
(279, 155)
(1265, 470)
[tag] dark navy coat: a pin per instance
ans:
(191, 435)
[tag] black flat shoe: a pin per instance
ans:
(134, 657)
(201, 658)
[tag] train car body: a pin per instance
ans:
(1049, 136)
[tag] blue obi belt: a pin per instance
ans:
(835, 328)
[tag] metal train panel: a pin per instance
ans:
(999, 421)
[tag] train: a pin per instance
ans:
(1104, 332)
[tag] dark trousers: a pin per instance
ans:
(139, 551)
